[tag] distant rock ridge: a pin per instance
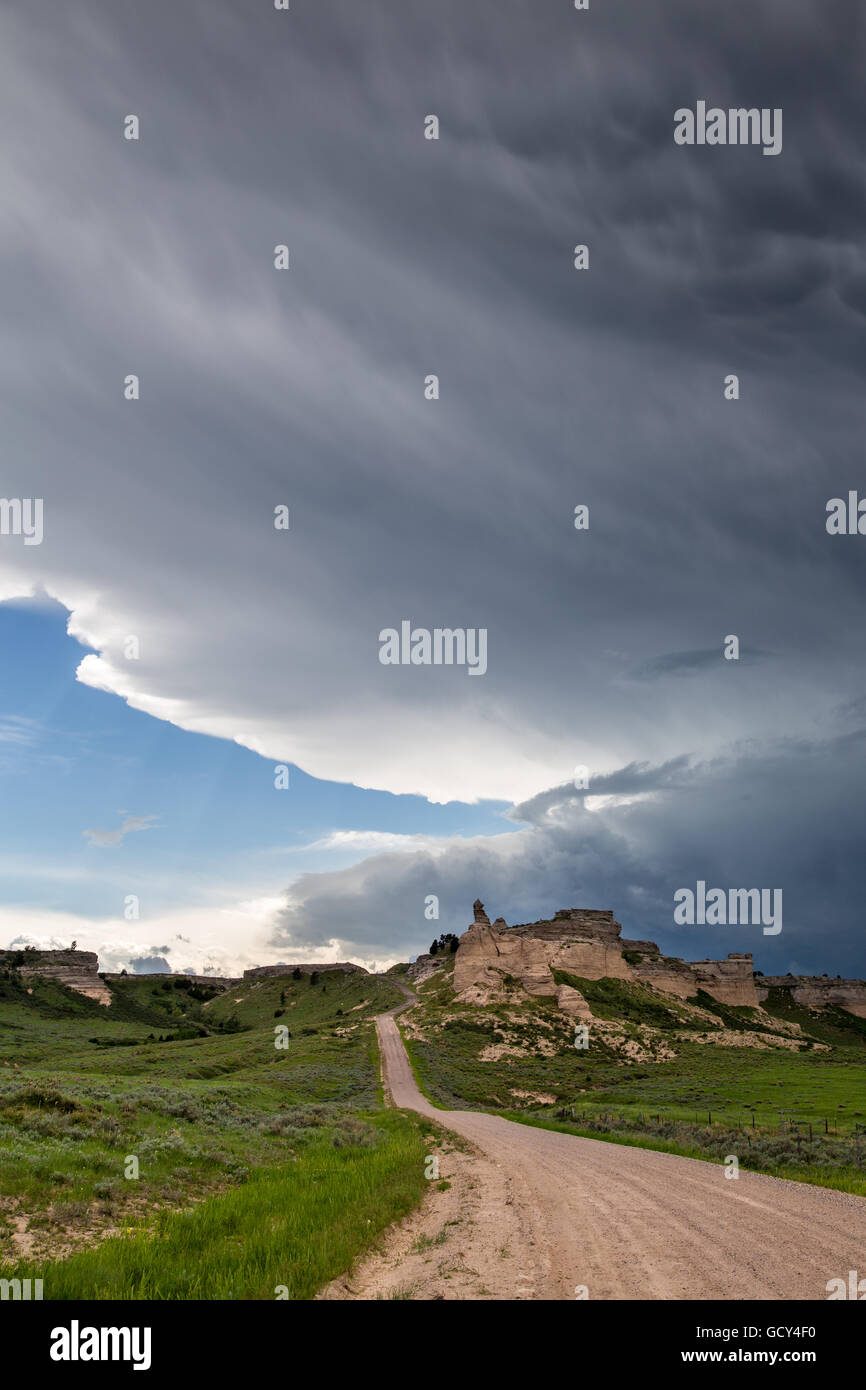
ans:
(817, 991)
(218, 981)
(78, 970)
(587, 942)
(283, 968)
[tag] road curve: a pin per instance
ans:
(624, 1223)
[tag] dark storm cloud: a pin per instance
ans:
(558, 387)
(636, 779)
(685, 663)
(790, 817)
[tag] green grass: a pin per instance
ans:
(284, 1233)
(212, 1113)
(629, 1003)
(336, 999)
(762, 1098)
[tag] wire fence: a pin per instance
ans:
(781, 1122)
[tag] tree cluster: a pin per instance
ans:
(447, 942)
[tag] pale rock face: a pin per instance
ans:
(586, 943)
(425, 966)
(479, 960)
(593, 960)
(852, 998)
(816, 992)
(730, 981)
(75, 969)
(572, 1002)
(670, 979)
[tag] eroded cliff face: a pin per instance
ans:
(731, 981)
(817, 992)
(583, 943)
(75, 969)
(424, 966)
(587, 943)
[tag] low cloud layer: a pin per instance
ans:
(789, 817)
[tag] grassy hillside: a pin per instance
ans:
(335, 1000)
(782, 1087)
(222, 1125)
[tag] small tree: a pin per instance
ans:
(434, 947)
(454, 943)
(296, 973)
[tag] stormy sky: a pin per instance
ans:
(558, 387)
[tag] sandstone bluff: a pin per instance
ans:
(588, 943)
(582, 942)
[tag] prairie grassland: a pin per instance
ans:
(282, 1233)
(797, 1112)
(254, 1163)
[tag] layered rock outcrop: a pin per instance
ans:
(424, 966)
(817, 991)
(75, 969)
(730, 981)
(587, 943)
(583, 943)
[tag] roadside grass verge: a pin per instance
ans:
(419, 1081)
(292, 1228)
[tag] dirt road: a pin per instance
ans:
(627, 1223)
